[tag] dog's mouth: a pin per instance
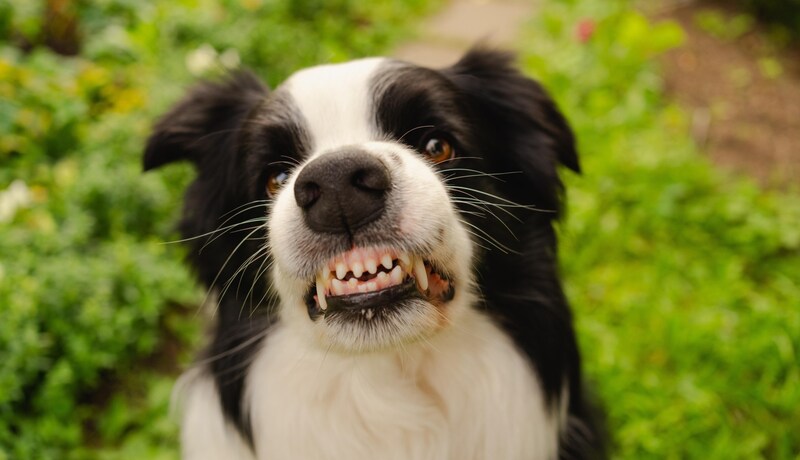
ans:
(371, 281)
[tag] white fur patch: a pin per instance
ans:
(335, 101)
(465, 393)
(205, 433)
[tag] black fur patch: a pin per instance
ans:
(220, 210)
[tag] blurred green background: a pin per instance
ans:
(684, 278)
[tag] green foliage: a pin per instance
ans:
(685, 280)
(85, 283)
(718, 25)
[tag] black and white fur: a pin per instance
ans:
(491, 373)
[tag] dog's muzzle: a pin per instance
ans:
(339, 193)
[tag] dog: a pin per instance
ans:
(378, 241)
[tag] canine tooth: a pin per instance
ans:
(358, 269)
(371, 265)
(341, 270)
(420, 274)
(396, 276)
(323, 304)
(386, 261)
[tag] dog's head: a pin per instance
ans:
(390, 196)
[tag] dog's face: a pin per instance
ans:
(391, 190)
(368, 248)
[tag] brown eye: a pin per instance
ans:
(439, 150)
(275, 181)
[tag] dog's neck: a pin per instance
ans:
(458, 394)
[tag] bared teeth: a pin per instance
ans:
(337, 287)
(386, 261)
(357, 269)
(341, 270)
(331, 281)
(371, 266)
(405, 262)
(323, 304)
(420, 274)
(396, 276)
(382, 279)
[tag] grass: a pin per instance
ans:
(684, 279)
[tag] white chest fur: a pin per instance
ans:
(465, 394)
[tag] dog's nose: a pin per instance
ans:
(342, 191)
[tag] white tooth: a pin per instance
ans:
(383, 280)
(341, 270)
(386, 261)
(371, 265)
(405, 262)
(323, 304)
(358, 269)
(396, 276)
(363, 287)
(337, 287)
(372, 286)
(420, 274)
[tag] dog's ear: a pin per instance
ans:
(517, 106)
(525, 129)
(205, 129)
(205, 121)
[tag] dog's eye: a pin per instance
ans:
(439, 150)
(275, 181)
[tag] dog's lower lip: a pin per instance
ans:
(376, 299)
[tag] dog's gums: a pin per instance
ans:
(371, 277)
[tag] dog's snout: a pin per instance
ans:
(342, 191)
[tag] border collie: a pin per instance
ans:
(377, 239)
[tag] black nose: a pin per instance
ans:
(342, 191)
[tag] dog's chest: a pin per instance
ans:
(465, 394)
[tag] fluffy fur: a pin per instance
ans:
(484, 364)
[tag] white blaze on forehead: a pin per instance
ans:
(336, 101)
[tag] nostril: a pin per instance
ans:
(307, 194)
(341, 191)
(372, 179)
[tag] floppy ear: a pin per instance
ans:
(204, 122)
(204, 128)
(525, 128)
(522, 129)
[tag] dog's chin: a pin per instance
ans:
(373, 298)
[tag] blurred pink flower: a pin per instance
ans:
(585, 29)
